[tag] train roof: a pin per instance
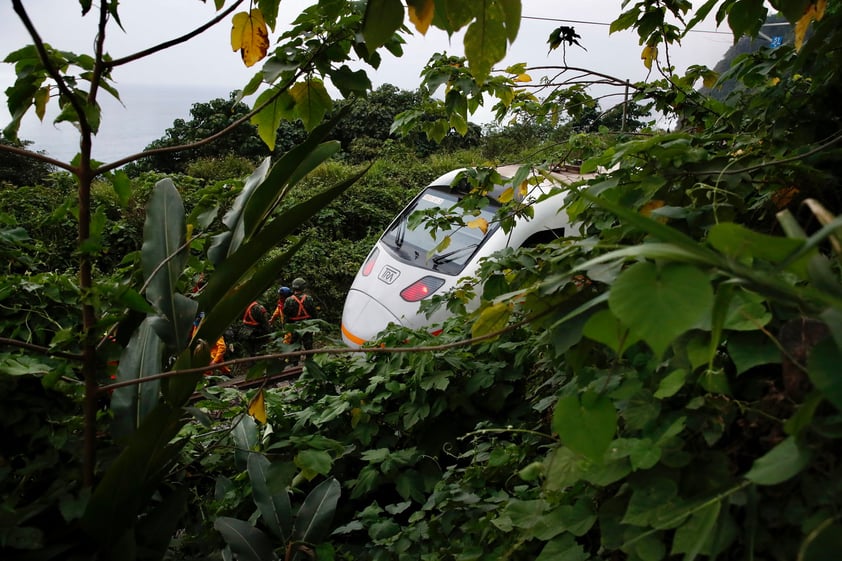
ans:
(564, 174)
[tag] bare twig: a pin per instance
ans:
(5, 341)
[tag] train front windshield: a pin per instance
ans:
(416, 245)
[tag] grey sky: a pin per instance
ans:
(208, 61)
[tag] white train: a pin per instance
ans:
(403, 269)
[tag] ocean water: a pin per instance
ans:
(144, 115)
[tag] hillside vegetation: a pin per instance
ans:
(662, 384)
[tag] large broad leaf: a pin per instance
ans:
(142, 357)
(738, 242)
(585, 425)
(783, 462)
(312, 524)
(246, 542)
(660, 303)
(312, 102)
(228, 242)
(250, 36)
(266, 188)
(245, 436)
(382, 19)
(163, 257)
(155, 530)
(275, 509)
(226, 295)
(133, 476)
(485, 41)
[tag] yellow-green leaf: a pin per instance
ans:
(42, 96)
(709, 79)
(382, 19)
(257, 407)
(311, 102)
(269, 118)
(421, 14)
(485, 42)
(507, 195)
(650, 52)
(250, 36)
(480, 223)
(492, 319)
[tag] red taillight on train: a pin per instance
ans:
(369, 263)
(421, 288)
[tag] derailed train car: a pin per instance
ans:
(403, 268)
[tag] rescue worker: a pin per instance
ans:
(299, 307)
(217, 352)
(284, 292)
(255, 327)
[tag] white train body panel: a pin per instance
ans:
(387, 290)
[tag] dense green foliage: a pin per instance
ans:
(662, 384)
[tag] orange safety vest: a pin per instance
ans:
(302, 311)
(248, 318)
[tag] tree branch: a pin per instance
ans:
(329, 351)
(172, 42)
(39, 349)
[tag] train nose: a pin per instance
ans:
(363, 317)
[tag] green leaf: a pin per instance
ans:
(524, 514)
(606, 329)
(512, 16)
(660, 303)
(485, 41)
(751, 349)
(563, 548)
(122, 187)
(382, 19)
(312, 102)
(671, 383)
(269, 118)
(823, 370)
(163, 257)
(649, 501)
(586, 426)
(313, 462)
(245, 541)
(312, 524)
(349, 81)
(746, 17)
(783, 462)
(142, 357)
(275, 509)
(492, 319)
(742, 244)
(245, 436)
(133, 476)
(696, 535)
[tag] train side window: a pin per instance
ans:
(544, 236)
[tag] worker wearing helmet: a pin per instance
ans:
(299, 307)
(284, 292)
(256, 328)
